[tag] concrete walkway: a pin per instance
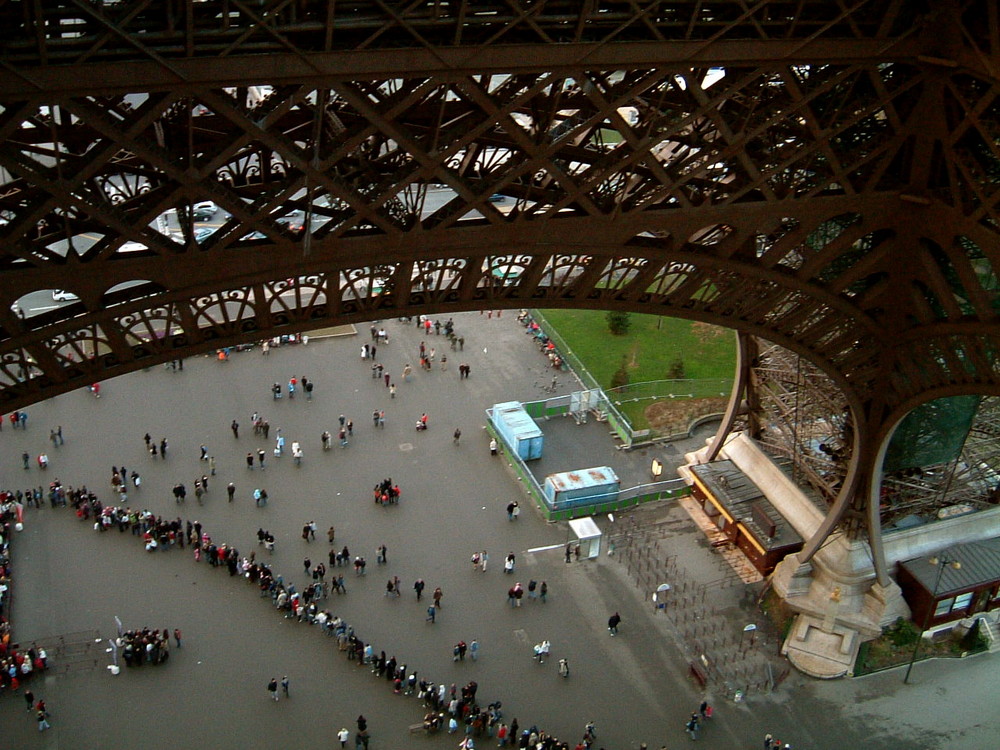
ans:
(71, 579)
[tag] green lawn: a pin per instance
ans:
(650, 347)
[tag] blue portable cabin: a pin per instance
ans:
(518, 430)
(571, 489)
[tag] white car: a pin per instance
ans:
(204, 210)
(61, 295)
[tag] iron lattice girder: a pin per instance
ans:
(833, 192)
(167, 43)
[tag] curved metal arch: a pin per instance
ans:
(472, 288)
(882, 114)
(740, 383)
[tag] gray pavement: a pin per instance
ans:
(71, 579)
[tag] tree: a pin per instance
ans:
(618, 322)
(620, 376)
(676, 371)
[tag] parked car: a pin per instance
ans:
(61, 295)
(203, 233)
(203, 211)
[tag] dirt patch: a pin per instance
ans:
(676, 415)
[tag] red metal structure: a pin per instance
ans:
(824, 175)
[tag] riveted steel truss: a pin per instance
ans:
(822, 174)
(801, 419)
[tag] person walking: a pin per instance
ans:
(457, 435)
(613, 622)
(272, 688)
(249, 460)
(235, 427)
(432, 614)
(474, 649)
(284, 686)
(493, 446)
(343, 735)
(231, 491)
(692, 726)
(437, 597)
(29, 698)
(418, 586)
(543, 591)
(483, 559)
(43, 719)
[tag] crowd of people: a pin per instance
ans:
(146, 646)
(445, 706)
(18, 666)
(386, 493)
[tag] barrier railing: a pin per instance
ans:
(616, 402)
(567, 354)
(562, 511)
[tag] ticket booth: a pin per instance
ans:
(584, 532)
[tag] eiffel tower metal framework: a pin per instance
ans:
(823, 174)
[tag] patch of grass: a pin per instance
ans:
(895, 648)
(652, 346)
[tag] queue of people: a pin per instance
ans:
(18, 666)
(445, 706)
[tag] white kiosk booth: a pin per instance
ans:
(584, 532)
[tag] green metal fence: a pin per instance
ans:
(566, 352)
(626, 498)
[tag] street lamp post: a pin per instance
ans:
(941, 563)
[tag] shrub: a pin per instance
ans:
(903, 633)
(618, 323)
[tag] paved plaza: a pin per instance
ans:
(72, 581)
